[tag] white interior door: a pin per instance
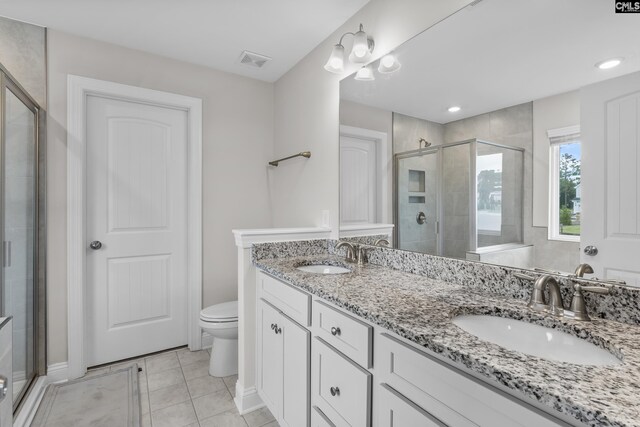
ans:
(358, 181)
(610, 130)
(137, 209)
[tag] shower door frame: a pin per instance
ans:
(7, 82)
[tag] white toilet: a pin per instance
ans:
(221, 322)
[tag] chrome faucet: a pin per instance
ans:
(351, 250)
(582, 269)
(538, 302)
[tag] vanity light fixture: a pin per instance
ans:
(365, 74)
(453, 109)
(360, 51)
(388, 64)
(609, 63)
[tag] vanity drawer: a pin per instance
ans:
(342, 389)
(396, 410)
(349, 335)
(292, 302)
(436, 388)
(319, 419)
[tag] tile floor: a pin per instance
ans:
(177, 391)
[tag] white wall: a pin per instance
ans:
(237, 144)
(307, 101)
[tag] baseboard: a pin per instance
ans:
(57, 372)
(247, 400)
(207, 340)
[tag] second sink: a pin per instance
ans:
(323, 269)
(535, 340)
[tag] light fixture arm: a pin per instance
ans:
(370, 42)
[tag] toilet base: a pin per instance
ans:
(224, 357)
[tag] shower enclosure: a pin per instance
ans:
(455, 198)
(22, 280)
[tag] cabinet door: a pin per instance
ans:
(341, 388)
(396, 410)
(270, 356)
(296, 374)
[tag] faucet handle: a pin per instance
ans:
(578, 307)
(524, 277)
(595, 289)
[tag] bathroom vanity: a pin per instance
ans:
(377, 347)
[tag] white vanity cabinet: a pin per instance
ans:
(283, 357)
(319, 365)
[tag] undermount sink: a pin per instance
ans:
(535, 340)
(323, 269)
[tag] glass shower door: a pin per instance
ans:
(19, 219)
(417, 204)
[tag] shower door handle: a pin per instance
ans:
(6, 253)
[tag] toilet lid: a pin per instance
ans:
(225, 312)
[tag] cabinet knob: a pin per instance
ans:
(335, 391)
(277, 330)
(273, 326)
(335, 331)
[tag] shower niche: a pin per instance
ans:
(459, 198)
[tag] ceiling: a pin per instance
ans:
(500, 53)
(212, 33)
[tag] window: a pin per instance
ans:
(564, 167)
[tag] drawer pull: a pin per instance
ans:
(335, 331)
(335, 391)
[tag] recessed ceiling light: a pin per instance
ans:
(609, 63)
(454, 109)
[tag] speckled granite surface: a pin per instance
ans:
(421, 308)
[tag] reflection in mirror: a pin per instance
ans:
(473, 148)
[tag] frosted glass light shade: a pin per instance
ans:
(365, 74)
(360, 52)
(335, 64)
(388, 64)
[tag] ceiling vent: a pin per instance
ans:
(253, 60)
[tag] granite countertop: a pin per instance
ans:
(421, 309)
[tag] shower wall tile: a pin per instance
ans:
(408, 130)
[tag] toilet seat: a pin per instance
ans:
(226, 312)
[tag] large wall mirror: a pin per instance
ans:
(510, 134)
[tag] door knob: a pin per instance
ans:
(421, 218)
(95, 245)
(591, 250)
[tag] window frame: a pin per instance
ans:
(558, 137)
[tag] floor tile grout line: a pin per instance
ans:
(189, 393)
